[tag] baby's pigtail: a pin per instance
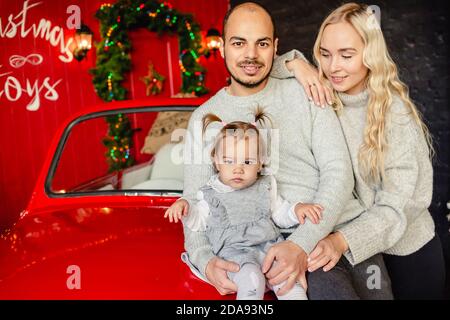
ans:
(208, 119)
(262, 118)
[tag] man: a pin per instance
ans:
(313, 165)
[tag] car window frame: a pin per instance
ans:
(127, 192)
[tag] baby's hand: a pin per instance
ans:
(310, 210)
(176, 210)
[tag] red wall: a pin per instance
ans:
(66, 87)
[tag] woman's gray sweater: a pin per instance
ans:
(395, 219)
(393, 216)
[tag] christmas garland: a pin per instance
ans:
(119, 141)
(113, 61)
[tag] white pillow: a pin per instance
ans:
(169, 163)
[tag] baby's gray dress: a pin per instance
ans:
(239, 226)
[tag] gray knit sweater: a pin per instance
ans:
(392, 217)
(314, 164)
(396, 219)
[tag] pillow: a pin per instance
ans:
(168, 163)
(161, 130)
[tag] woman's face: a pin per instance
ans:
(341, 58)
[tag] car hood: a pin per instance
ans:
(119, 253)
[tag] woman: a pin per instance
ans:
(390, 149)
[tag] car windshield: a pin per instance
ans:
(121, 151)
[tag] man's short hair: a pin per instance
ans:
(231, 10)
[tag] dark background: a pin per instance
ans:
(417, 36)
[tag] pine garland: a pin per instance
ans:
(119, 143)
(113, 61)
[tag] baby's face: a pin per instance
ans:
(237, 161)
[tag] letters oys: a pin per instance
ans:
(12, 90)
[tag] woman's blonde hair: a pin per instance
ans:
(241, 130)
(382, 83)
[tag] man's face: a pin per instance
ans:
(249, 47)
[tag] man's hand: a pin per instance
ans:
(308, 76)
(216, 273)
(286, 261)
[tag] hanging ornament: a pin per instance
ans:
(153, 81)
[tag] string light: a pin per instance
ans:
(194, 55)
(109, 81)
(105, 5)
(189, 28)
(167, 4)
(108, 34)
(140, 7)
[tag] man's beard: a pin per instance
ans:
(248, 84)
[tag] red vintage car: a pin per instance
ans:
(89, 233)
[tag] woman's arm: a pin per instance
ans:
(294, 64)
(378, 228)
